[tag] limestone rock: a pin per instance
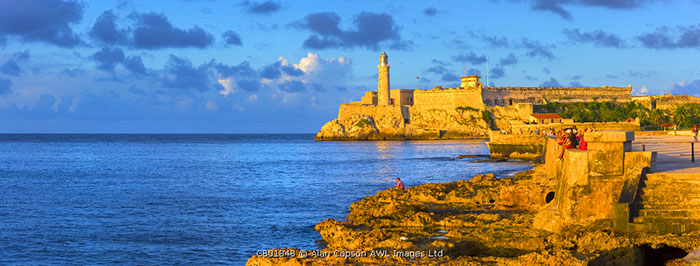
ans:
(467, 224)
(332, 129)
(372, 122)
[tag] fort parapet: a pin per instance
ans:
(541, 95)
(665, 102)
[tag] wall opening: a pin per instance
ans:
(549, 197)
(646, 255)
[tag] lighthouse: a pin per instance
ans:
(383, 97)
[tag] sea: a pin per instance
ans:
(202, 199)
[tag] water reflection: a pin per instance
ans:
(387, 150)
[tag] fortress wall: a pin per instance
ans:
(396, 115)
(402, 96)
(537, 95)
(527, 147)
(665, 102)
(448, 99)
(669, 102)
(369, 98)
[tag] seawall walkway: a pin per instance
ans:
(673, 152)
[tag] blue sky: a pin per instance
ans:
(207, 66)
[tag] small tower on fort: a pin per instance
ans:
(383, 97)
(470, 82)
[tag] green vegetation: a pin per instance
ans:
(363, 123)
(685, 115)
(466, 108)
(594, 111)
(487, 117)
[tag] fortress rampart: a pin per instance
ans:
(472, 93)
(448, 98)
(666, 101)
(539, 95)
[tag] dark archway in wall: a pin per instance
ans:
(549, 197)
(649, 256)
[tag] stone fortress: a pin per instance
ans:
(472, 93)
(448, 113)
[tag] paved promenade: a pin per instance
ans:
(673, 152)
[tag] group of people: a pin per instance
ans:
(520, 131)
(537, 131)
(571, 138)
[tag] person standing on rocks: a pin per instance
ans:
(399, 184)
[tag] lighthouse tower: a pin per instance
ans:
(383, 97)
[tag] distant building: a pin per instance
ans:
(547, 118)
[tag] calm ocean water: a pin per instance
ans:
(197, 199)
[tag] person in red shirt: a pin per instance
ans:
(564, 143)
(399, 184)
(583, 144)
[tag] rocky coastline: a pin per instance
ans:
(482, 221)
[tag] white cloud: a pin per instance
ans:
(641, 91)
(229, 86)
(644, 90)
(327, 72)
(310, 74)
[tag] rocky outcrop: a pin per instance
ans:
(483, 221)
(376, 122)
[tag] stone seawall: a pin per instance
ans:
(526, 147)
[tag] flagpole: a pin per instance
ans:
(487, 71)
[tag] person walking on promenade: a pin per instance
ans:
(399, 184)
(695, 132)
